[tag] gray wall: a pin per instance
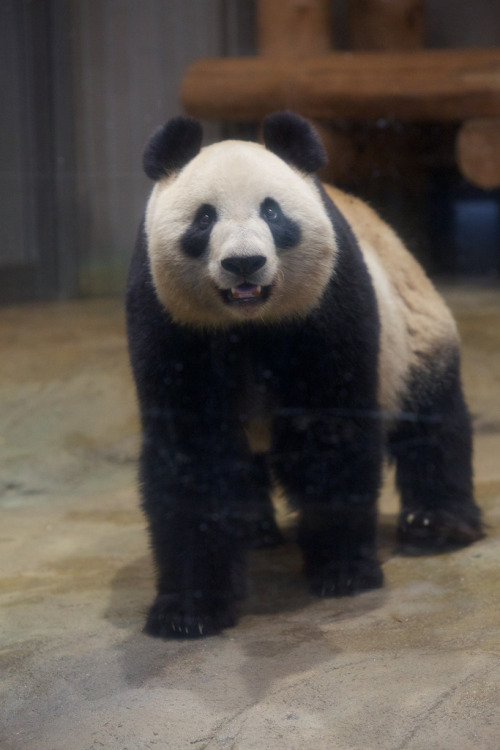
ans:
(83, 84)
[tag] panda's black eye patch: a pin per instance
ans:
(196, 238)
(286, 232)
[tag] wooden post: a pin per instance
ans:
(293, 28)
(478, 152)
(386, 24)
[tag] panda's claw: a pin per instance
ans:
(345, 577)
(178, 616)
(423, 530)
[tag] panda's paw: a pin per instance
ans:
(424, 530)
(345, 577)
(182, 616)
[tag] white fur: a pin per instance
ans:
(236, 177)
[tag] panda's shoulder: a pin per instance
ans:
(406, 296)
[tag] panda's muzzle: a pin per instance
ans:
(243, 268)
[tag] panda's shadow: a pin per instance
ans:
(275, 581)
(275, 587)
(278, 615)
(276, 584)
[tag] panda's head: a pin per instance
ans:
(237, 231)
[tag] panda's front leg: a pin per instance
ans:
(193, 479)
(331, 466)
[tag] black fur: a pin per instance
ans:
(291, 137)
(432, 446)
(196, 239)
(287, 135)
(172, 147)
(286, 232)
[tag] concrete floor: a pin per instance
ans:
(413, 666)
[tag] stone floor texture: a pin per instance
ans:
(412, 666)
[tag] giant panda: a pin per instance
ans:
(280, 333)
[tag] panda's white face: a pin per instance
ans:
(238, 235)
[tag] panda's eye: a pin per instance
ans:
(270, 210)
(205, 217)
(204, 221)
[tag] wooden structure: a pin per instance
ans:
(388, 75)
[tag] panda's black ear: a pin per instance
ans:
(172, 147)
(294, 140)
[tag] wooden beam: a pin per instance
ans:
(421, 85)
(478, 152)
(294, 28)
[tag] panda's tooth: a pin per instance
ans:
(246, 291)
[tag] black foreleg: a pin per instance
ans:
(196, 511)
(331, 470)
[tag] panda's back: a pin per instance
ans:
(417, 329)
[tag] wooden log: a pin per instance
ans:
(478, 152)
(428, 85)
(386, 24)
(294, 28)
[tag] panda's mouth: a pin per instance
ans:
(246, 294)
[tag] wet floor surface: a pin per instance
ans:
(412, 666)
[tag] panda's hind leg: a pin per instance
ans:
(432, 446)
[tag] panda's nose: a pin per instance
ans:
(245, 265)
